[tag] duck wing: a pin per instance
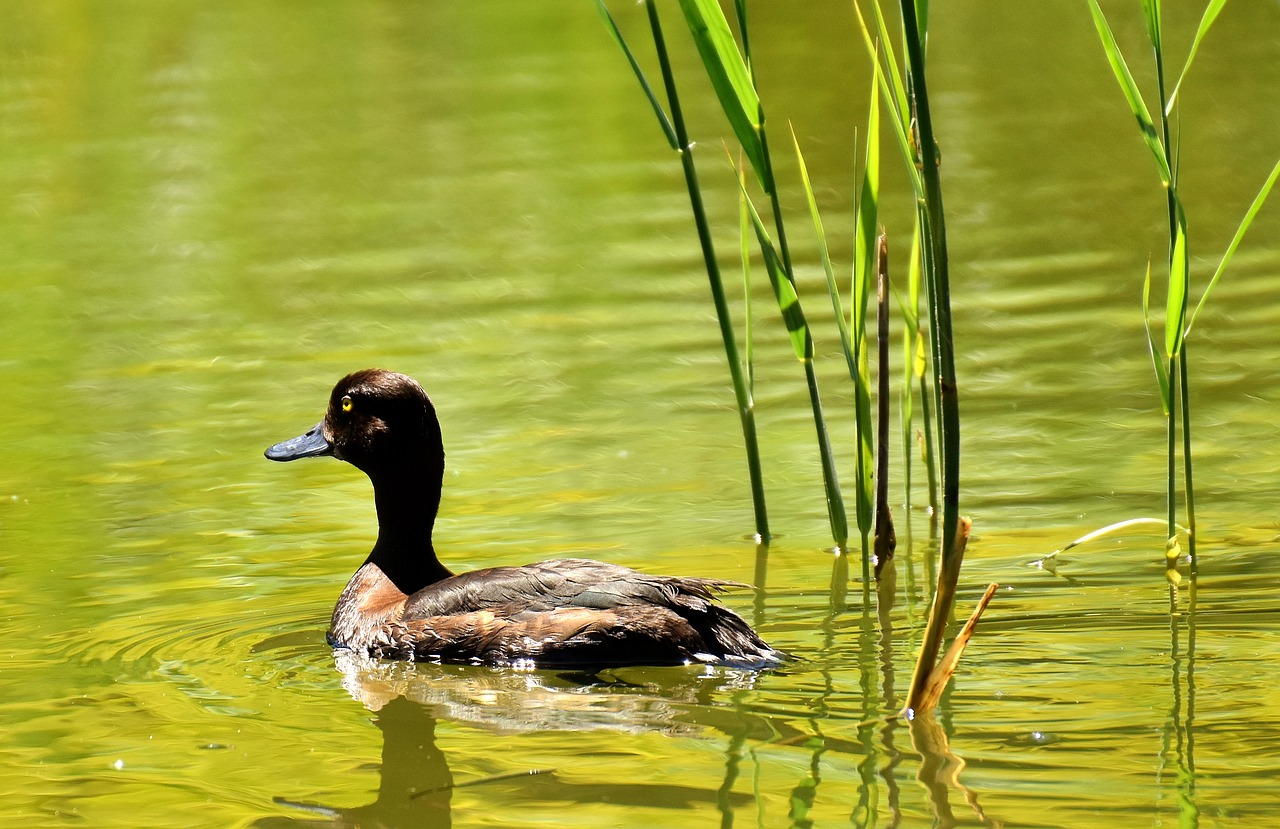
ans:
(576, 612)
(561, 583)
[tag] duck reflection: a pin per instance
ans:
(416, 785)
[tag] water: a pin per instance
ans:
(213, 211)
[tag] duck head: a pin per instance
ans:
(383, 423)
(377, 420)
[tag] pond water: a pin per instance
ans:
(214, 210)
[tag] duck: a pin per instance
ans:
(403, 603)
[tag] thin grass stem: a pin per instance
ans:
(722, 61)
(1171, 496)
(744, 252)
(885, 538)
(937, 278)
(824, 255)
(802, 345)
(866, 262)
(927, 450)
(1188, 484)
(906, 401)
(1179, 277)
(742, 393)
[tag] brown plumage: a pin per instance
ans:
(404, 604)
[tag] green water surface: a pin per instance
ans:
(211, 211)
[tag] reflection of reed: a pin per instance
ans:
(759, 580)
(724, 795)
(870, 674)
(940, 769)
(805, 793)
(1179, 731)
(886, 589)
(939, 772)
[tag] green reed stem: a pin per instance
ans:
(1178, 269)
(744, 254)
(846, 336)
(899, 102)
(1188, 483)
(677, 136)
(1171, 434)
(920, 363)
(868, 236)
(830, 478)
(885, 538)
(910, 327)
(928, 450)
(836, 515)
(1172, 374)
(741, 105)
(801, 337)
(938, 280)
(742, 395)
(1177, 304)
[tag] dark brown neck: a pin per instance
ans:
(408, 497)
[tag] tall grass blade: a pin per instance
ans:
(938, 280)
(893, 90)
(740, 11)
(866, 448)
(824, 255)
(788, 301)
(1162, 374)
(1210, 14)
(1151, 12)
(865, 267)
(834, 292)
(1130, 89)
(928, 450)
(802, 345)
(742, 394)
(886, 540)
(667, 129)
(1171, 451)
(766, 169)
(1258, 201)
(729, 77)
(744, 251)
(901, 96)
(865, 247)
(1176, 309)
(1188, 486)
(849, 343)
(915, 364)
(910, 320)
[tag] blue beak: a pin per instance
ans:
(310, 445)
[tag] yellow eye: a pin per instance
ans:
(346, 403)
